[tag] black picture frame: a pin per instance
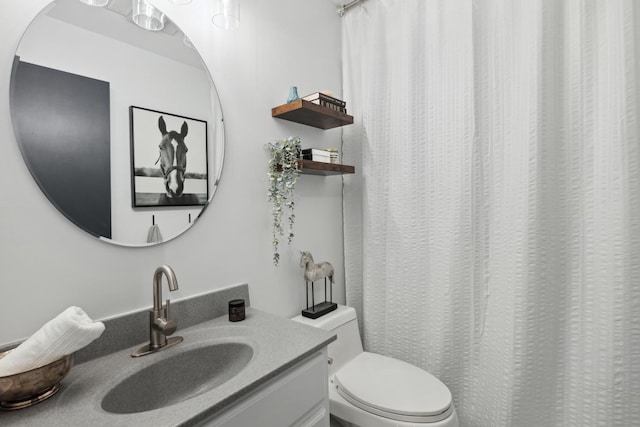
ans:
(148, 187)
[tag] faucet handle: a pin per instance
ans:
(170, 326)
(164, 325)
(167, 327)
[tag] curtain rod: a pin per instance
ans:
(343, 9)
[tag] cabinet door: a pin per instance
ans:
(318, 418)
(297, 398)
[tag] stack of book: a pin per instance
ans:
(317, 155)
(327, 101)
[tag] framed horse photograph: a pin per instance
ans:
(169, 160)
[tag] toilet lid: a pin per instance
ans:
(393, 389)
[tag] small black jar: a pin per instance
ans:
(236, 310)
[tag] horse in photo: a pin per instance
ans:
(173, 158)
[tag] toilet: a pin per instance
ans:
(371, 390)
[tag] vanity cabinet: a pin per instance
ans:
(318, 116)
(297, 397)
(283, 384)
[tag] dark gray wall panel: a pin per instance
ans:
(62, 123)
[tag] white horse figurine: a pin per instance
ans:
(313, 272)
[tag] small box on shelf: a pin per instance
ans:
(317, 155)
(317, 158)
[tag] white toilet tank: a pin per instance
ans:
(343, 322)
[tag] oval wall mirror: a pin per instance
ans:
(121, 127)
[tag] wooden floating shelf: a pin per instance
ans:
(310, 167)
(308, 113)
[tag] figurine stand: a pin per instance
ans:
(322, 308)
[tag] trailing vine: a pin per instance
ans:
(283, 175)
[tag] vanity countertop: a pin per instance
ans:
(278, 344)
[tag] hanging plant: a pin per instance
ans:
(283, 175)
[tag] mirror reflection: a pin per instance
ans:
(121, 127)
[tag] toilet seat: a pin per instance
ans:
(393, 389)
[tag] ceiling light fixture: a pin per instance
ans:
(147, 16)
(226, 14)
(98, 3)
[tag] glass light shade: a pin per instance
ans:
(147, 16)
(226, 14)
(180, 1)
(99, 3)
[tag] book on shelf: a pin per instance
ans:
(316, 151)
(316, 158)
(324, 97)
(327, 101)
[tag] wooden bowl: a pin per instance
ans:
(25, 389)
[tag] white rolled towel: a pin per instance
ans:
(67, 332)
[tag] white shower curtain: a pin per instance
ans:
(492, 230)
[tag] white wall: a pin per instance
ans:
(49, 264)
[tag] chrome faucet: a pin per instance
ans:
(160, 326)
